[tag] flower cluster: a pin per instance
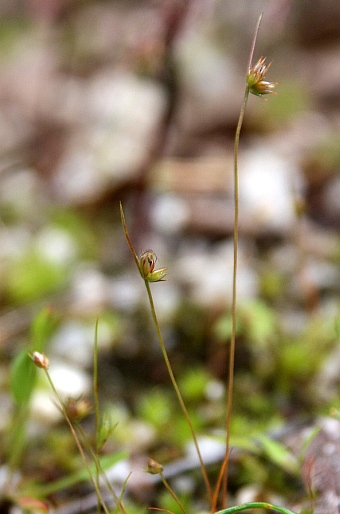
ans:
(147, 269)
(255, 79)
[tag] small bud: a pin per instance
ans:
(154, 467)
(255, 79)
(147, 267)
(40, 360)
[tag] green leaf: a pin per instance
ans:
(22, 378)
(106, 428)
(23, 371)
(42, 329)
(245, 443)
(277, 453)
(255, 505)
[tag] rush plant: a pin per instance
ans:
(256, 84)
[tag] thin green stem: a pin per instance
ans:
(99, 470)
(175, 497)
(79, 446)
(95, 384)
(176, 388)
(255, 505)
(254, 42)
(96, 404)
(119, 504)
(134, 255)
(166, 359)
(234, 301)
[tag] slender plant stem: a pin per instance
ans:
(96, 406)
(234, 305)
(95, 384)
(78, 443)
(175, 497)
(177, 390)
(166, 358)
(126, 233)
(251, 55)
(223, 476)
(220, 479)
(99, 470)
(255, 505)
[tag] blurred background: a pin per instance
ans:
(137, 101)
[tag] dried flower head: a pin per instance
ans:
(147, 267)
(77, 408)
(154, 467)
(255, 79)
(40, 360)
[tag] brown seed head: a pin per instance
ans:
(154, 467)
(147, 267)
(77, 408)
(40, 360)
(255, 79)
